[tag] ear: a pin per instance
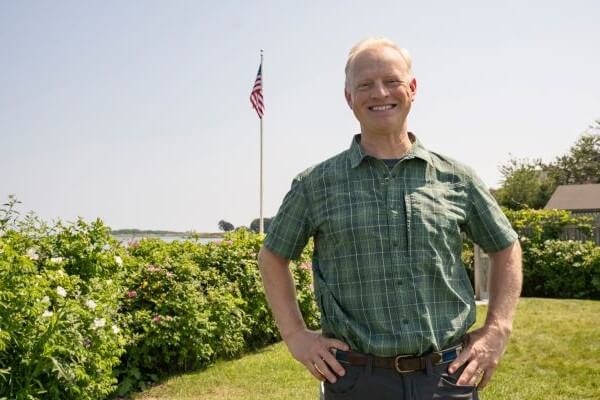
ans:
(413, 89)
(348, 98)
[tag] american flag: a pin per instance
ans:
(256, 97)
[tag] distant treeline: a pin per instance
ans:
(142, 232)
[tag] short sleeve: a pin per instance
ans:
(486, 223)
(290, 230)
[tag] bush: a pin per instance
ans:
(79, 313)
(60, 334)
(553, 268)
(188, 304)
(179, 316)
(536, 226)
(563, 269)
(468, 259)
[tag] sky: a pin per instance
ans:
(138, 112)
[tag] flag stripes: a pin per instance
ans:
(256, 97)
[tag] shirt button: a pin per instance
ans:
(405, 321)
(396, 244)
(399, 282)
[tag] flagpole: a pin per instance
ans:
(261, 228)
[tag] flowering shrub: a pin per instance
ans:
(82, 317)
(59, 327)
(179, 317)
(189, 303)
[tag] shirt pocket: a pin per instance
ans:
(436, 213)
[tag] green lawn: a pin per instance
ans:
(554, 354)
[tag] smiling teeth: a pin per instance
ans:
(382, 108)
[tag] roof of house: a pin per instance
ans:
(575, 197)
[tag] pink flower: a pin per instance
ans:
(169, 274)
(306, 265)
(228, 242)
(131, 294)
(152, 268)
(156, 319)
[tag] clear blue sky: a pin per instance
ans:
(137, 112)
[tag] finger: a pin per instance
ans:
(462, 358)
(333, 363)
(337, 344)
(485, 379)
(324, 370)
(470, 374)
(314, 371)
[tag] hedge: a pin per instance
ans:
(83, 317)
(551, 267)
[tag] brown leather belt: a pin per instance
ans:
(402, 364)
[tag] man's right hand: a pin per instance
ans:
(314, 351)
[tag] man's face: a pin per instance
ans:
(380, 90)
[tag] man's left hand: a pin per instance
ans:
(481, 354)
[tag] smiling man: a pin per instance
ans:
(387, 217)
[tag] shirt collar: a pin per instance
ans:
(357, 154)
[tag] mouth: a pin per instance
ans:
(384, 107)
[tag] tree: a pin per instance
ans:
(255, 224)
(526, 184)
(530, 184)
(582, 163)
(225, 226)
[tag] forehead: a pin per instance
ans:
(375, 61)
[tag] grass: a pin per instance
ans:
(554, 354)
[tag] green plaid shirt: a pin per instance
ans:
(387, 265)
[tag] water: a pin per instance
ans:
(124, 239)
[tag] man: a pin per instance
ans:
(386, 216)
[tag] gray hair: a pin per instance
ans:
(374, 43)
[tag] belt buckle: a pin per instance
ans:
(397, 365)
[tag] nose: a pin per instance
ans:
(379, 90)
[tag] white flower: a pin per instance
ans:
(98, 323)
(119, 261)
(32, 254)
(115, 329)
(91, 304)
(106, 247)
(61, 291)
(56, 260)
(47, 314)
(45, 299)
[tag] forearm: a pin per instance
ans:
(281, 293)
(505, 287)
(487, 344)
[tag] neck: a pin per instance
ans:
(386, 145)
